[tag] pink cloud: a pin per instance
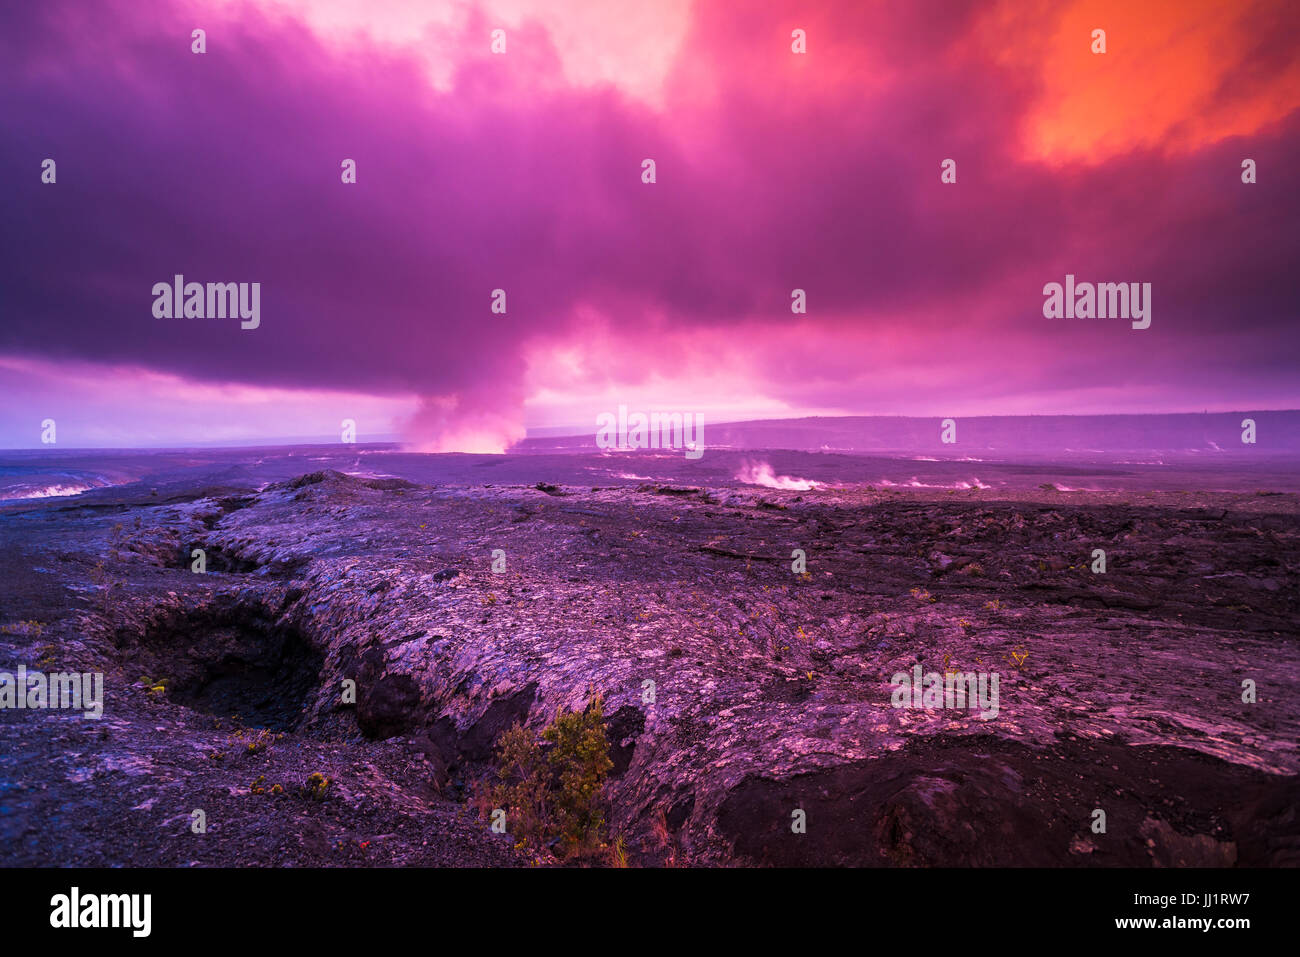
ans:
(775, 172)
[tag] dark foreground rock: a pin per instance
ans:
(740, 694)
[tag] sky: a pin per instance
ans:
(523, 171)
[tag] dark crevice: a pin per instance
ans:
(235, 664)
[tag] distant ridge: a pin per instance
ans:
(1214, 433)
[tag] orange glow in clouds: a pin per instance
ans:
(1176, 75)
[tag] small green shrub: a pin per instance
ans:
(580, 759)
(555, 795)
(316, 787)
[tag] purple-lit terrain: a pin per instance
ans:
(1120, 691)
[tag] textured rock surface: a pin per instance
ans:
(1119, 691)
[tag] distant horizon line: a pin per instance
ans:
(566, 431)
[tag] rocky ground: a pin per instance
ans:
(771, 688)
